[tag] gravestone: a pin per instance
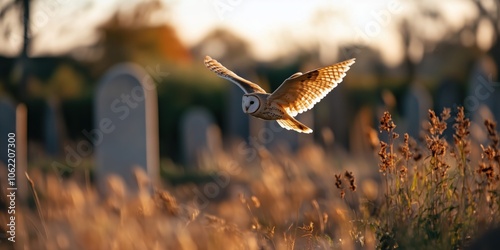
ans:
(335, 112)
(448, 96)
(416, 104)
(22, 149)
(196, 127)
(125, 133)
(478, 132)
(7, 125)
(308, 119)
(14, 120)
(52, 129)
(238, 122)
(484, 88)
(274, 136)
(359, 134)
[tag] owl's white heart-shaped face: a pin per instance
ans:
(250, 104)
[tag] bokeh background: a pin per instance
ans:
(435, 52)
(232, 181)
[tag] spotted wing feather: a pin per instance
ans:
(291, 123)
(300, 93)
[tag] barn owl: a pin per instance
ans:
(297, 94)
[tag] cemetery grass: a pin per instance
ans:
(424, 193)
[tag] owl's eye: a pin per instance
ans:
(252, 102)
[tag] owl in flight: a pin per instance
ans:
(297, 94)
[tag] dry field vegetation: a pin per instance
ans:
(428, 195)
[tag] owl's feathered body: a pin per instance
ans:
(274, 111)
(297, 94)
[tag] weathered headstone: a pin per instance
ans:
(238, 122)
(484, 88)
(335, 113)
(274, 136)
(52, 129)
(416, 104)
(359, 134)
(195, 126)
(22, 149)
(13, 126)
(7, 125)
(308, 119)
(448, 96)
(478, 132)
(126, 125)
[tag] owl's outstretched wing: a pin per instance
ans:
(300, 92)
(221, 71)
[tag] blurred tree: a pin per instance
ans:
(489, 15)
(225, 46)
(23, 60)
(55, 81)
(479, 33)
(133, 37)
(415, 39)
(66, 83)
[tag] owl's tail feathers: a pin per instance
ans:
(291, 124)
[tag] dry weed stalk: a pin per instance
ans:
(338, 184)
(308, 233)
(438, 181)
(407, 155)
(387, 157)
(489, 174)
(349, 176)
(462, 145)
(38, 206)
(166, 202)
(436, 144)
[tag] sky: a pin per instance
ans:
(273, 28)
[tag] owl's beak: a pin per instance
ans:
(246, 109)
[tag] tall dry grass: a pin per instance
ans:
(423, 195)
(441, 199)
